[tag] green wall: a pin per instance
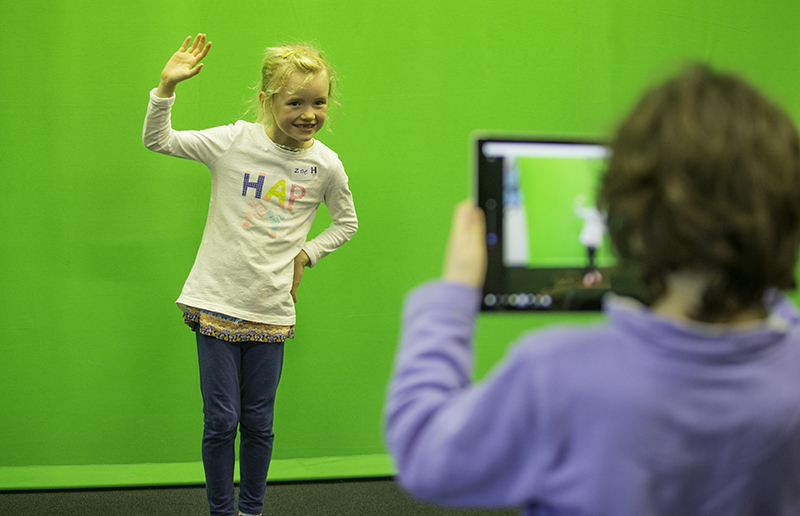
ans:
(98, 234)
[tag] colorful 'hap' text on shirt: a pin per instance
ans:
(278, 192)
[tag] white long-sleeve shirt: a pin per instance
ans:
(263, 201)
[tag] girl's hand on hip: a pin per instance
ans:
(300, 261)
(184, 64)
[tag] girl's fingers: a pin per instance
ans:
(185, 44)
(199, 43)
(204, 52)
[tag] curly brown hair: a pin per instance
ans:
(705, 177)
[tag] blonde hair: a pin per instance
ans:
(279, 64)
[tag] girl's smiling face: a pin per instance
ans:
(299, 109)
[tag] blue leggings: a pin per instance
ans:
(238, 382)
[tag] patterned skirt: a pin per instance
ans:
(231, 329)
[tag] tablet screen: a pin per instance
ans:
(548, 246)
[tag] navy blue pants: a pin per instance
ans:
(238, 381)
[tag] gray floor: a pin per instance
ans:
(380, 497)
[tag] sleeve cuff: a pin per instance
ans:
(313, 255)
(161, 100)
(454, 296)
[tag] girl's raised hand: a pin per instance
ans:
(184, 64)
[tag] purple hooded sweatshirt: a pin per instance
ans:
(639, 415)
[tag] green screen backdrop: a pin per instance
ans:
(98, 374)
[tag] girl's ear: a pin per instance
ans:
(262, 100)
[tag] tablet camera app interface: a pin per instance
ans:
(547, 240)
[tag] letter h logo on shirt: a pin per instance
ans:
(258, 185)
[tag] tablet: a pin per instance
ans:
(547, 242)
